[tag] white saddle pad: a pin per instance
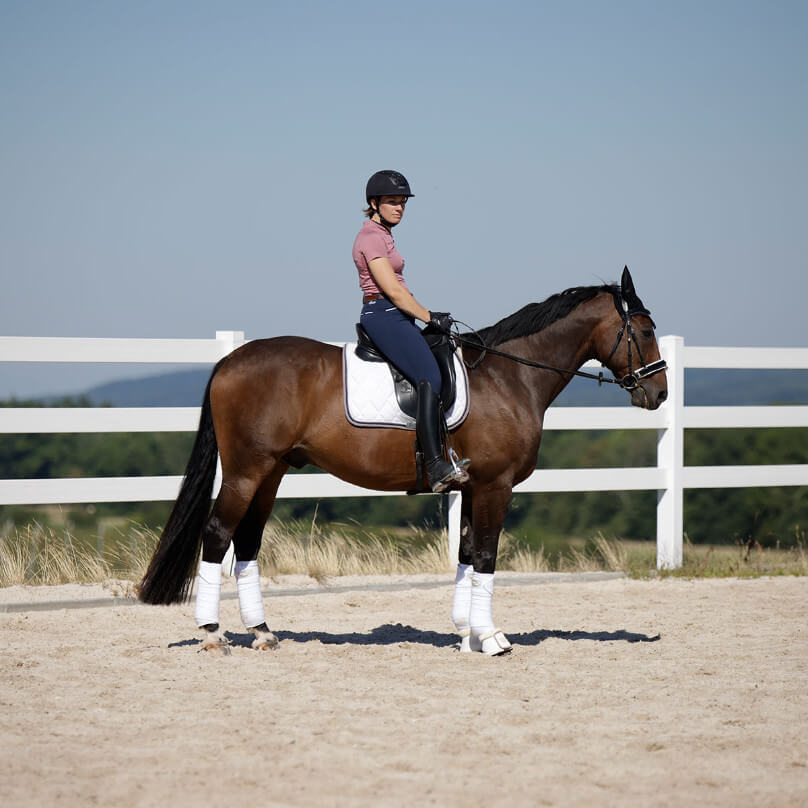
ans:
(370, 397)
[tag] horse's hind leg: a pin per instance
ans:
(231, 506)
(247, 543)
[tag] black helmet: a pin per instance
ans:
(387, 183)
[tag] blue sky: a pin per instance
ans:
(168, 169)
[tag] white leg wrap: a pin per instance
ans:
(461, 605)
(482, 597)
(250, 602)
(484, 636)
(208, 593)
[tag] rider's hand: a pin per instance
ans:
(441, 320)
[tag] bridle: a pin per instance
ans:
(631, 381)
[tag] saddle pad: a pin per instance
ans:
(370, 398)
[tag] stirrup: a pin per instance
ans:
(443, 481)
(460, 474)
(452, 473)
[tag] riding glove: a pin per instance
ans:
(441, 320)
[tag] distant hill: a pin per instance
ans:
(183, 388)
(702, 388)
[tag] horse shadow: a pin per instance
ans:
(398, 634)
(621, 635)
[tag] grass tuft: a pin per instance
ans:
(39, 556)
(324, 552)
(35, 555)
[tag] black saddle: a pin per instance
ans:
(443, 350)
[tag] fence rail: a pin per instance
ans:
(669, 477)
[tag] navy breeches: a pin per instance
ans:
(400, 340)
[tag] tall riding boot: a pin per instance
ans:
(429, 427)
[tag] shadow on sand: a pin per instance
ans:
(395, 634)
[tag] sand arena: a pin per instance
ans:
(619, 692)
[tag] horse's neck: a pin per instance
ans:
(565, 344)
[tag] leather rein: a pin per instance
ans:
(628, 382)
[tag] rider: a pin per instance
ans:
(388, 315)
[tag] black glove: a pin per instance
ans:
(441, 320)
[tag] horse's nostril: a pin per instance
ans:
(663, 395)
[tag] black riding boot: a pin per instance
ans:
(428, 427)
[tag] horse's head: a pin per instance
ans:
(626, 344)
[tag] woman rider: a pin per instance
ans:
(388, 315)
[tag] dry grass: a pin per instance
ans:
(295, 548)
(749, 560)
(37, 555)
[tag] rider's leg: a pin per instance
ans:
(429, 424)
(401, 341)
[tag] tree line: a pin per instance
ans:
(766, 515)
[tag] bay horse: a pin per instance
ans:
(277, 403)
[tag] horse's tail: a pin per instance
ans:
(172, 568)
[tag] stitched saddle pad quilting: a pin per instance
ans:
(370, 398)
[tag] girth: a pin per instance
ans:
(442, 349)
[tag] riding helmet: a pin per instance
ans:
(387, 183)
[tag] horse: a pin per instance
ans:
(277, 403)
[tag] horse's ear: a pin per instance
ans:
(627, 285)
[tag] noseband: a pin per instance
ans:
(631, 381)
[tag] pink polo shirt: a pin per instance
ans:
(375, 241)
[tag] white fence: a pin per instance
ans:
(669, 477)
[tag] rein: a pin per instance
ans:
(629, 382)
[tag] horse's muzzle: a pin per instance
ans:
(648, 384)
(649, 394)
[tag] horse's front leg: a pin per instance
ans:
(474, 584)
(461, 604)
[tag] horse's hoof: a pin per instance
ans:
(265, 641)
(215, 648)
(215, 642)
(492, 643)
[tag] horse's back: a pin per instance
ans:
(294, 372)
(262, 357)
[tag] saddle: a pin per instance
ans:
(407, 396)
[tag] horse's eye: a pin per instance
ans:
(648, 332)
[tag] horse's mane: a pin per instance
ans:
(537, 316)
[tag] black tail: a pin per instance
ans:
(173, 566)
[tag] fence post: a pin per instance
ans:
(230, 340)
(455, 501)
(670, 457)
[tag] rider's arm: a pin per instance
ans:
(387, 281)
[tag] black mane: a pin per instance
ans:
(537, 316)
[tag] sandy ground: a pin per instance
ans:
(618, 692)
